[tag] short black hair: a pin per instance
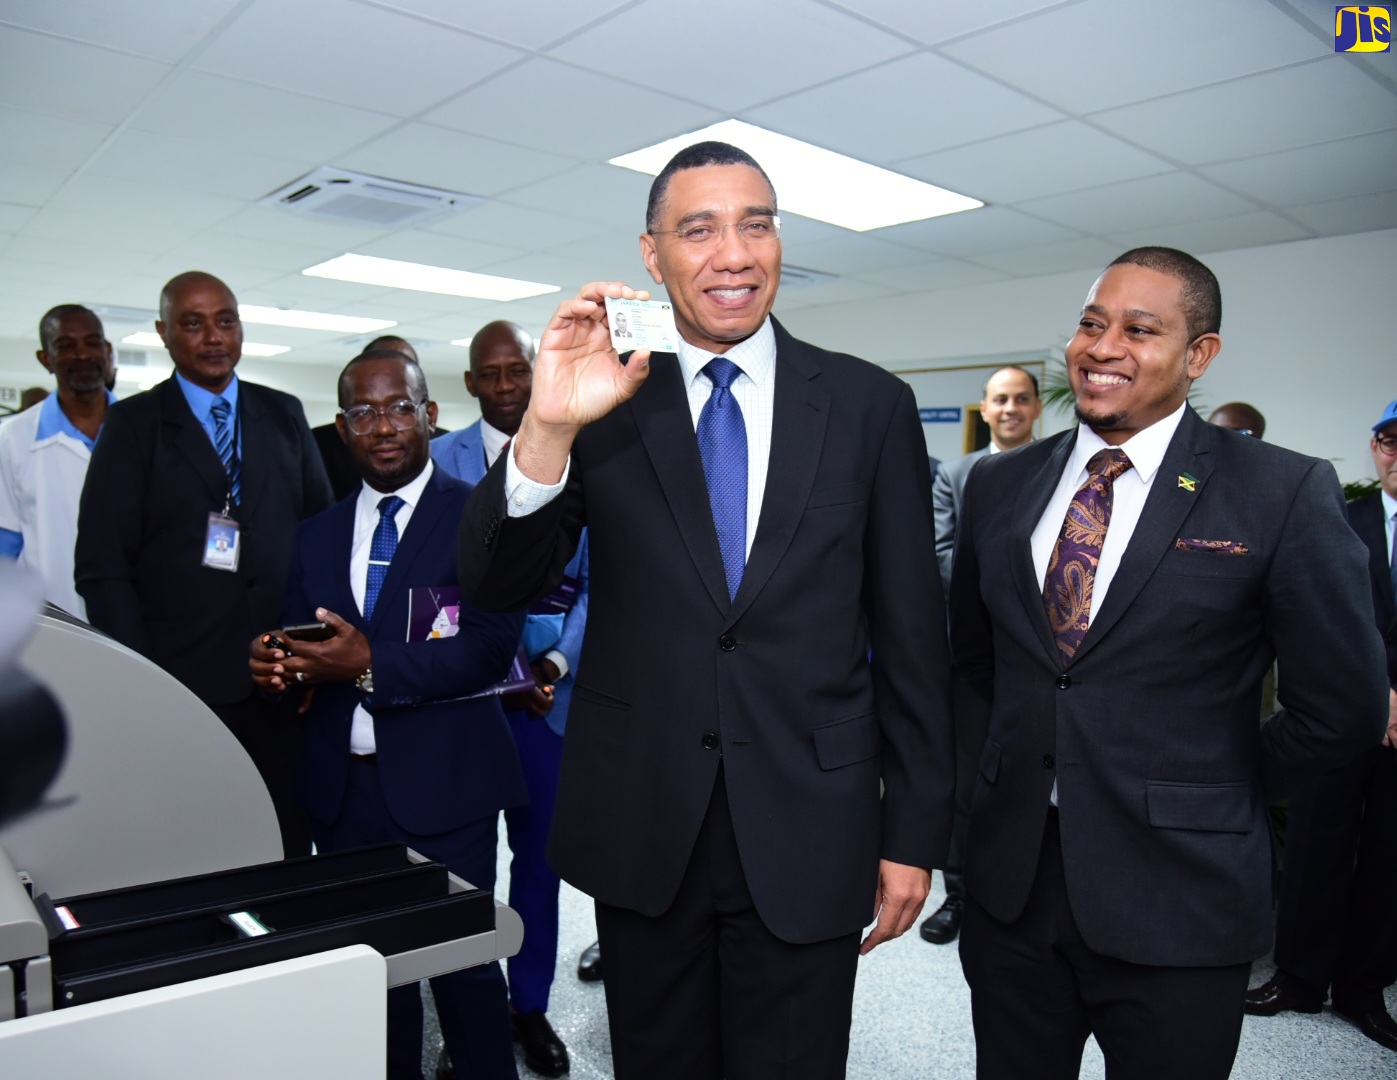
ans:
(53, 315)
(1012, 367)
(1199, 290)
(1249, 416)
(416, 380)
(698, 156)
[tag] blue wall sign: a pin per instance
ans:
(940, 416)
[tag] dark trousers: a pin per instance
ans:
(533, 886)
(972, 719)
(1336, 931)
(1037, 991)
(272, 733)
(472, 1004)
(705, 991)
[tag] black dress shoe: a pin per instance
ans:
(1378, 1026)
(942, 926)
(1271, 997)
(589, 963)
(544, 1052)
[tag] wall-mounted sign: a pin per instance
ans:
(940, 416)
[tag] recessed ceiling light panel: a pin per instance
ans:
(419, 277)
(311, 320)
(817, 183)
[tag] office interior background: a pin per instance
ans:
(144, 139)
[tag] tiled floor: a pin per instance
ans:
(912, 1019)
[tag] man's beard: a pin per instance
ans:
(1109, 422)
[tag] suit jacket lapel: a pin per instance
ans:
(1166, 507)
(1366, 517)
(800, 412)
(1034, 496)
(424, 520)
(661, 411)
(193, 441)
(341, 600)
(254, 428)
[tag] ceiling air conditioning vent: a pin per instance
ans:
(349, 196)
(793, 277)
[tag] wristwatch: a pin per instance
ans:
(365, 682)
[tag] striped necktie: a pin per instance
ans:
(722, 440)
(225, 444)
(385, 543)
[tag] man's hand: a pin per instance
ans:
(265, 663)
(341, 658)
(578, 378)
(1390, 739)
(902, 890)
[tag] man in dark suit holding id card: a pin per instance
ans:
(185, 523)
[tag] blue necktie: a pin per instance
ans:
(223, 442)
(722, 440)
(385, 543)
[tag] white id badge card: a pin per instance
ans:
(222, 543)
(642, 324)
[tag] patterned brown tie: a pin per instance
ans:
(1072, 569)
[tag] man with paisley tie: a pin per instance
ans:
(1118, 592)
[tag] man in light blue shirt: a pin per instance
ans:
(45, 450)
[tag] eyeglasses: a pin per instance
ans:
(753, 230)
(1386, 443)
(362, 419)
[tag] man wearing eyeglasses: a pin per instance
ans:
(759, 519)
(1335, 934)
(393, 753)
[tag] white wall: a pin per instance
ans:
(1305, 337)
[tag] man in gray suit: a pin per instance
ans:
(1010, 407)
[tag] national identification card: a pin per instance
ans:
(642, 324)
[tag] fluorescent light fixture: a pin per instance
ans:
(464, 342)
(817, 183)
(395, 274)
(311, 320)
(150, 340)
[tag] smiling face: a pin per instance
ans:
(1010, 408)
(1131, 362)
(722, 292)
(76, 352)
(200, 326)
(387, 458)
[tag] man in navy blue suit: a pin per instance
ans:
(393, 753)
(500, 378)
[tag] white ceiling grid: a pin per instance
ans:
(139, 137)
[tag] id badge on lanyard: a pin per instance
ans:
(223, 541)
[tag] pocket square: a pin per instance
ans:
(1221, 547)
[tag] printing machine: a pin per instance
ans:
(147, 926)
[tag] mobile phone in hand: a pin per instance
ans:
(312, 631)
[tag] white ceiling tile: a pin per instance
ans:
(435, 249)
(1138, 204)
(852, 254)
(237, 276)
(1275, 111)
(1239, 231)
(66, 254)
(251, 119)
(334, 49)
(278, 226)
(50, 142)
(803, 43)
(24, 185)
(932, 276)
(1315, 173)
(1082, 58)
(295, 290)
(195, 164)
(1086, 253)
(521, 106)
(13, 218)
(162, 29)
(114, 230)
(932, 22)
(1358, 214)
(568, 273)
(531, 25)
(422, 154)
(824, 293)
(148, 201)
(972, 232)
(612, 255)
(257, 254)
(498, 222)
(64, 77)
(1043, 161)
(604, 193)
(857, 116)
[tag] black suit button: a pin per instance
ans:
(1064, 681)
(727, 643)
(1048, 761)
(710, 740)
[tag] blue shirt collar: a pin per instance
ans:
(54, 421)
(201, 400)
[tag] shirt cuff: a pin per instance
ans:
(559, 661)
(522, 495)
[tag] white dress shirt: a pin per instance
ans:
(493, 440)
(1145, 449)
(755, 393)
(361, 731)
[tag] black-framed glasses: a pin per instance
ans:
(752, 230)
(1386, 443)
(362, 419)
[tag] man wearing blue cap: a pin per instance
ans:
(1334, 928)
